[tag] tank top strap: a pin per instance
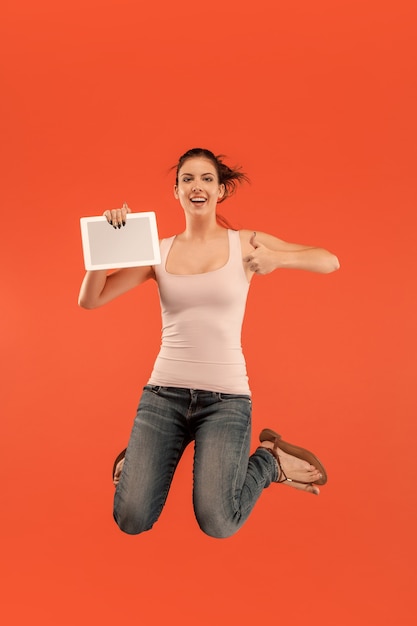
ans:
(165, 247)
(235, 250)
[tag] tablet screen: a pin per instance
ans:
(133, 245)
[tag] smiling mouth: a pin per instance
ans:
(198, 200)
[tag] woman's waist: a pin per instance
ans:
(215, 375)
(202, 353)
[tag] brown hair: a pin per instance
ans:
(228, 176)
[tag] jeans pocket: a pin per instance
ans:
(235, 396)
(153, 388)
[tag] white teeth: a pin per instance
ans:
(198, 199)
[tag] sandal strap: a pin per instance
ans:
(282, 478)
(267, 434)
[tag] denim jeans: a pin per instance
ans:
(227, 481)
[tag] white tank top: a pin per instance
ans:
(202, 317)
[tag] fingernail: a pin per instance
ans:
(123, 223)
(111, 223)
(119, 225)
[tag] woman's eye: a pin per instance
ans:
(208, 179)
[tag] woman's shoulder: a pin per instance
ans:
(245, 233)
(164, 241)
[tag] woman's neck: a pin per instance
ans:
(196, 228)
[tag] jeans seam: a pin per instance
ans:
(248, 427)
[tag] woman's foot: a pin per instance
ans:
(118, 466)
(297, 467)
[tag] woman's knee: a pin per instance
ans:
(131, 527)
(132, 521)
(216, 525)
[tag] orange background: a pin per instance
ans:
(317, 101)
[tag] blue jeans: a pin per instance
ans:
(227, 481)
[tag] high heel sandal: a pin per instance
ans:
(270, 435)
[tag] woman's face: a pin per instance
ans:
(198, 188)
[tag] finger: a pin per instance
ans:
(111, 217)
(117, 218)
(253, 241)
(125, 211)
(107, 215)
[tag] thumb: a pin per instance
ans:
(253, 241)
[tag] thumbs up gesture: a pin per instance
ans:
(261, 260)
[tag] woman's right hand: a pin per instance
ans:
(117, 217)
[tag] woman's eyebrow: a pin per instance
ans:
(206, 174)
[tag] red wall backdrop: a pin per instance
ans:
(317, 100)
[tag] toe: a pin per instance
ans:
(309, 487)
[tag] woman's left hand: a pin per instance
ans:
(262, 260)
(270, 253)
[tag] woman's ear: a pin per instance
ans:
(222, 190)
(176, 192)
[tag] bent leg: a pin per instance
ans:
(156, 444)
(227, 482)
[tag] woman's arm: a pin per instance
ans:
(98, 287)
(263, 253)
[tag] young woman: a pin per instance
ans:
(198, 390)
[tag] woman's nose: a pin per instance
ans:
(196, 187)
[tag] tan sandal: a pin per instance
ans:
(270, 435)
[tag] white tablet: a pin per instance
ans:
(135, 244)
